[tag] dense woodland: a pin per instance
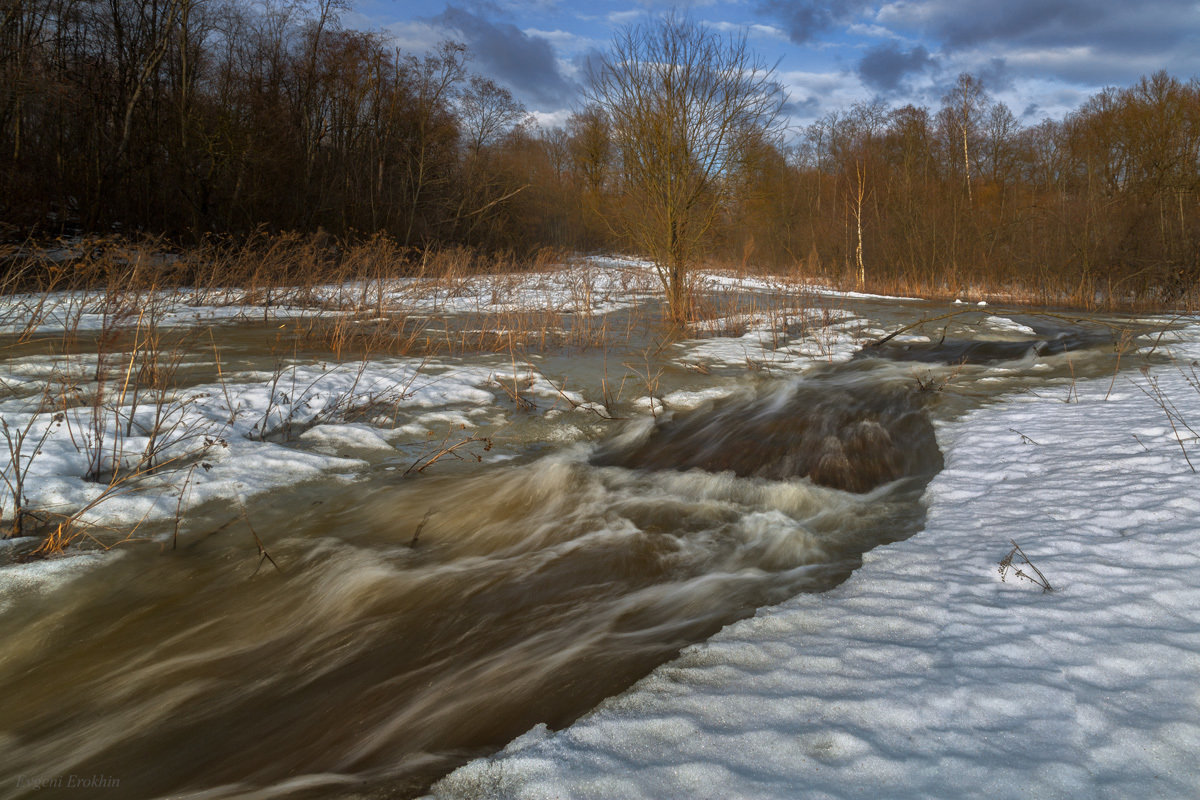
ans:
(192, 117)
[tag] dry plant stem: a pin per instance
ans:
(233, 412)
(516, 390)
(1123, 344)
(1037, 578)
(1172, 412)
(1158, 339)
(563, 394)
(610, 401)
(919, 323)
(649, 379)
(1025, 438)
(263, 555)
(420, 527)
(179, 507)
(71, 528)
(15, 443)
(103, 438)
(423, 463)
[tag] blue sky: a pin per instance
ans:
(1041, 57)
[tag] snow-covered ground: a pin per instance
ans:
(929, 673)
(594, 285)
(228, 441)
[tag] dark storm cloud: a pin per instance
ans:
(589, 62)
(885, 68)
(995, 75)
(1119, 25)
(1084, 42)
(807, 108)
(805, 20)
(1077, 40)
(505, 53)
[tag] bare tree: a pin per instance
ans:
(489, 113)
(682, 101)
(432, 81)
(962, 107)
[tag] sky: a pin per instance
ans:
(1043, 58)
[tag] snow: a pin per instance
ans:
(592, 286)
(234, 438)
(92, 310)
(928, 673)
(255, 432)
(1007, 325)
(833, 338)
(774, 284)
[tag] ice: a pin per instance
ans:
(928, 673)
(1008, 325)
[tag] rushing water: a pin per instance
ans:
(418, 621)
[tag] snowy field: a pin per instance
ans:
(932, 672)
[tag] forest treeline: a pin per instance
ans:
(190, 117)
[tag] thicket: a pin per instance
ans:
(192, 117)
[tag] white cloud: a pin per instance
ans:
(814, 94)
(625, 17)
(754, 31)
(416, 36)
(565, 41)
(551, 119)
(876, 32)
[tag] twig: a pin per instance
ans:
(1024, 438)
(447, 451)
(262, 550)
(1162, 402)
(179, 507)
(1006, 564)
(420, 527)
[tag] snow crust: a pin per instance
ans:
(928, 674)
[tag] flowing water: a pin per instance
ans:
(420, 620)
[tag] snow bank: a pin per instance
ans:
(592, 286)
(252, 434)
(925, 674)
(830, 335)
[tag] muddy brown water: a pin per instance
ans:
(419, 621)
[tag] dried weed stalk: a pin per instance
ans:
(1007, 566)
